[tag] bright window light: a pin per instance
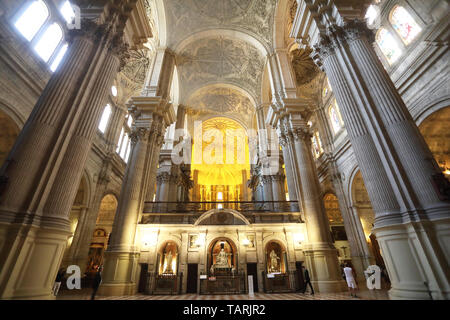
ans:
(124, 145)
(130, 121)
(114, 91)
(219, 195)
(67, 12)
(32, 19)
(59, 57)
(105, 118)
(371, 14)
(127, 155)
(49, 41)
(119, 144)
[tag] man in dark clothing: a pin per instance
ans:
(58, 281)
(307, 281)
(96, 282)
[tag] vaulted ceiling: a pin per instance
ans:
(219, 45)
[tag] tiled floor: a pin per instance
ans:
(362, 295)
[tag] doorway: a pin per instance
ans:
(300, 279)
(252, 271)
(192, 278)
(143, 278)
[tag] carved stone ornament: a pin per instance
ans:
(139, 134)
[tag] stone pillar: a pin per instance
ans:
(320, 254)
(49, 155)
(152, 116)
(359, 250)
(401, 176)
(267, 192)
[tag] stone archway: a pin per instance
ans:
(437, 135)
(8, 135)
(99, 242)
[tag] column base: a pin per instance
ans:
(416, 255)
(30, 257)
(119, 274)
(323, 265)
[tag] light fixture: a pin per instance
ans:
(200, 240)
(149, 239)
(299, 238)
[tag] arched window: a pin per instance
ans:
(38, 23)
(59, 57)
(388, 46)
(404, 24)
(124, 146)
(32, 19)
(46, 46)
(114, 91)
(105, 118)
(335, 117)
(317, 144)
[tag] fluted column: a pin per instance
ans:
(320, 254)
(400, 174)
(46, 163)
(152, 116)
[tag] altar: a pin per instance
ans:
(222, 276)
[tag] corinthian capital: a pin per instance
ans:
(357, 29)
(302, 133)
(139, 133)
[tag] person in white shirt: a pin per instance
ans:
(350, 278)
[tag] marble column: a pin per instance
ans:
(152, 116)
(402, 178)
(320, 253)
(49, 155)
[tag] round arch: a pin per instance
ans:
(211, 212)
(228, 33)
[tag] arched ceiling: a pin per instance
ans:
(222, 100)
(185, 17)
(220, 60)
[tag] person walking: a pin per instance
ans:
(58, 281)
(307, 281)
(96, 282)
(350, 278)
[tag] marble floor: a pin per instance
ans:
(85, 294)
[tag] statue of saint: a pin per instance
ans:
(168, 257)
(222, 259)
(274, 262)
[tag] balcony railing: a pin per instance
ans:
(203, 206)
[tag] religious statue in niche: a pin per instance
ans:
(221, 258)
(169, 259)
(168, 263)
(275, 262)
(274, 265)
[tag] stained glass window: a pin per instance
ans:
(317, 144)
(404, 24)
(335, 116)
(388, 46)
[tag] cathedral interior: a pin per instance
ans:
(181, 146)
